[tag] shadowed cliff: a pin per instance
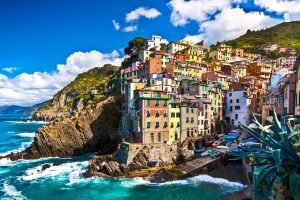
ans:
(80, 121)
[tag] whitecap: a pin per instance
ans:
(29, 135)
(203, 178)
(218, 181)
(72, 171)
(134, 182)
(22, 147)
(11, 192)
(5, 162)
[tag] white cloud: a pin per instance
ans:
(196, 10)
(29, 89)
(232, 23)
(116, 25)
(10, 69)
(289, 8)
(218, 20)
(136, 14)
(130, 28)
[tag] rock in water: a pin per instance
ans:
(45, 166)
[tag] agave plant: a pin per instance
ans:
(277, 165)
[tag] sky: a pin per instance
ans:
(45, 44)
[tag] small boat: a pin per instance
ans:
(222, 147)
(199, 150)
(206, 153)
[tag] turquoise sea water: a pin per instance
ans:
(23, 180)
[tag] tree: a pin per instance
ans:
(135, 46)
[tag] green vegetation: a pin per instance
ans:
(99, 78)
(284, 34)
(277, 166)
(134, 47)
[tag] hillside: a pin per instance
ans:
(285, 34)
(76, 96)
(79, 122)
(19, 110)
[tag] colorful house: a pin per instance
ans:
(174, 120)
(153, 117)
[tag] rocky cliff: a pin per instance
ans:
(81, 121)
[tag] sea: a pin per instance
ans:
(24, 179)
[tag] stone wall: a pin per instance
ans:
(157, 151)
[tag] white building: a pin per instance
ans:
(155, 42)
(237, 108)
(161, 83)
(174, 47)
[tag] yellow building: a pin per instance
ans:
(216, 66)
(174, 120)
(194, 54)
(263, 70)
(180, 69)
(215, 95)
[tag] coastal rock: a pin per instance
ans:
(45, 166)
(79, 122)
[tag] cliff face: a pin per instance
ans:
(80, 122)
(84, 93)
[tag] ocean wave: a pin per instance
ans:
(8, 162)
(23, 146)
(5, 162)
(203, 178)
(30, 135)
(11, 192)
(72, 171)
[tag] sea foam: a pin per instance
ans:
(72, 171)
(10, 192)
(29, 135)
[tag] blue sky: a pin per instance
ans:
(45, 44)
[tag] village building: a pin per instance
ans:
(237, 107)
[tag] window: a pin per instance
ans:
(178, 124)
(230, 101)
(165, 102)
(188, 132)
(192, 110)
(178, 114)
(187, 120)
(157, 103)
(236, 116)
(157, 125)
(157, 114)
(192, 120)
(237, 101)
(165, 113)
(172, 125)
(237, 107)
(159, 137)
(165, 124)
(148, 102)
(152, 137)
(148, 113)
(230, 108)
(187, 110)
(230, 94)
(148, 124)
(172, 115)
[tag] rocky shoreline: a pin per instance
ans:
(91, 131)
